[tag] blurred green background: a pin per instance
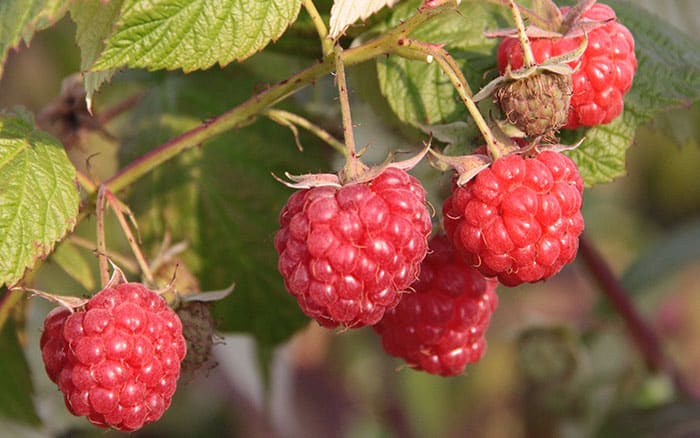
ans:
(559, 362)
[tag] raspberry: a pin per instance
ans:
(116, 361)
(605, 70)
(346, 252)
(519, 219)
(440, 328)
(537, 105)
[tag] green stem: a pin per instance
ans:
(246, 112)
(101, 243)
(348, 129)
(353, 167)
(427, 52)
(140, 259)
(528, 57)
(326, 44)
(121, 260)
(286, 117)
(86, 182)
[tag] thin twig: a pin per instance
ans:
(348, 131)
(428, 52)
(119, 259)
(133, 243)
(101, 243)
(107, 115)
(295, 119)
(248, 110)
(528, 56)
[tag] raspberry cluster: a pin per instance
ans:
(520, 219)
(347, 252)
(117, 361)
(439, 328)
(603, 74)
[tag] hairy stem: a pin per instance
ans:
(121, 260)
(140, 259)
(326, 44)
(341, 82)
(246, 112)
(284, 117)
(528, 57)
(427, 52)
(101, 243)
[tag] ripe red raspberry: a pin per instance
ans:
(440, 327)
(116, 361)
(346, 253)
(605, 70)
(519, 219)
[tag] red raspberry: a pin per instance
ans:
(346, 253)
(605, 70)
(117, 361)
(519, 219)
(440, 328)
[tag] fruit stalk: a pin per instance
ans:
(528, 56)
(101, 243)
(119, 259)
(140, 259)
(418, 50)
(341, 82)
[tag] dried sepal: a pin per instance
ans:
(69, 302)
(466, 166)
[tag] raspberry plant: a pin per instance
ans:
(182, 122)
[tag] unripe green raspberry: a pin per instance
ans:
(198, 330)
(538, 104)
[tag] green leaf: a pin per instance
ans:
(222, 199)
(601, 156)
(668, 76)
(419, 93)
(70, 258)
(346, 12)
(192, 35)
(94, 22)
(20, 19)
(16, 401)
(38, 194)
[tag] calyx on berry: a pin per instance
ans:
(603, 74)
(349, 245)
(535, 98)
